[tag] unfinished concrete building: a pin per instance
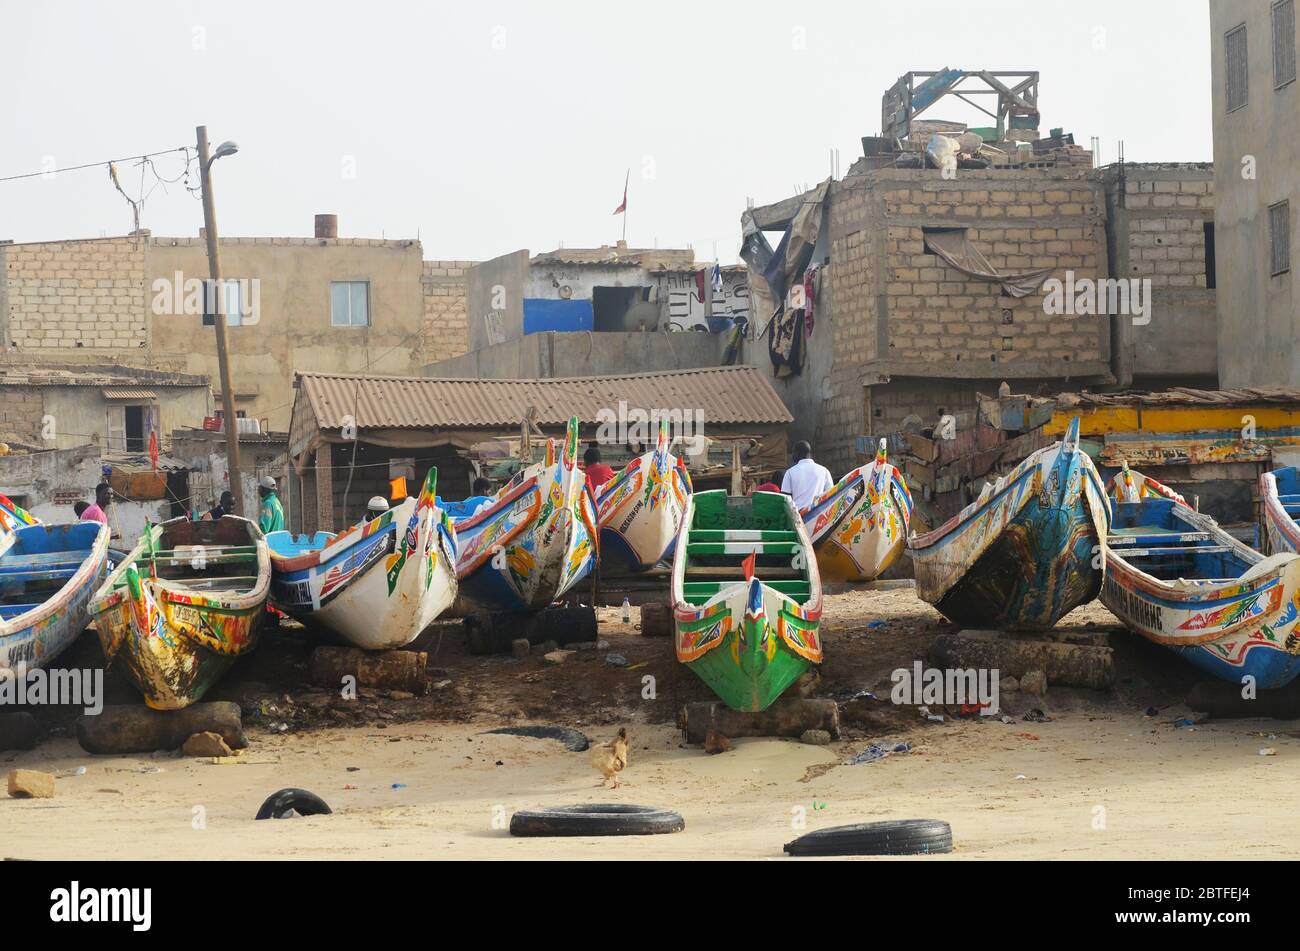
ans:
(921, 284)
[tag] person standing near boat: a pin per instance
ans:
(806, 481)
(597, 472)
(271, 516)
(99, 511)
(225, 506)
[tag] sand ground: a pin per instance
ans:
(1102, 780)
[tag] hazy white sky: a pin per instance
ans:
(492, 126)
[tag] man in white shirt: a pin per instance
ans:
(806, 481)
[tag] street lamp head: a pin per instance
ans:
(225, 148)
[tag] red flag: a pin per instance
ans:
(621, 209)
(749, 565)
(153, 450)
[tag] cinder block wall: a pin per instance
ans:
(21, 411)
(446, 316)
(65, 296)
(902, 312)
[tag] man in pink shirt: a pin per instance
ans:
(103, 499)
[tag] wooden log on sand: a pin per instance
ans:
(787, 717)
(392, 670)
(1066, 665)
(137, 729)
(17, 731)
(1223, 700)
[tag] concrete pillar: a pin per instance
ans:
(325, 488)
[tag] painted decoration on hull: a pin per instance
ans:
(859, 528)
(1179, 580)
(1279, 493)
(47, 576)
(372, 587)
(746, 596)
(1027, 552)
(186, 602)
(13, 516)
(536, 541)
(640, 509)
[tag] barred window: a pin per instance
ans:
(1279, 237)
(1283, 43)
(1236, 72)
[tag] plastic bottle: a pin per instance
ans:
(627, 610)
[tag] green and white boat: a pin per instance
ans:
(747, 598)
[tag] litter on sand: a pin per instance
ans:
(878, 751)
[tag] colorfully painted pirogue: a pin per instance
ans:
(747, 598)
(1279, 494)
(47, 575)
(1178, 579)
(12, 516)
(1027, 552)
(535, 541)
(186, 602)
(859, 528)
(377, 585)
(640, 509)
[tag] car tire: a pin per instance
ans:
(596, 820)
(901, 837)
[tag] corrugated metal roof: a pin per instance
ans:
(723, 395)
(121, 393)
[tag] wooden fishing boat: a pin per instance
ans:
(1178, 579)
(183, 605)
(13, 516)
(377, 585)
(640, 510)
(860, 527)
(1027, 552)
(747, 596)
(47, 576)
(1279, 493)
(535, 541)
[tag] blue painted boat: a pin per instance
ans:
(47, 576)
(1178, 579)
(1027, 552)
(1279, 494)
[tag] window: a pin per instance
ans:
(350, 303)
(1236, 74)
(1279, 237)
(236, 306)
(1283, 43)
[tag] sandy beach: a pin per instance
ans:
(418, 778)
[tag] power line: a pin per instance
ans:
(47, 173)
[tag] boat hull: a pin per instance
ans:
(640, 512)
(748, 661)
(174, 642)
(1278, 492)
(1243, 628)
(747, 639)
(373, 588)
(535, 542)
(1027, 553)
(859, 530)
(35, 638)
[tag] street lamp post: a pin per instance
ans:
(218, 301)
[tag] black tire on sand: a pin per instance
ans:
(596, 819)
(299, 800)
(901, 837)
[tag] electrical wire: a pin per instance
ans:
(46, 173)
